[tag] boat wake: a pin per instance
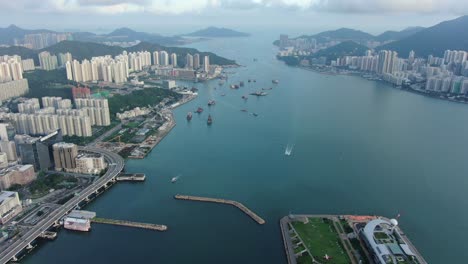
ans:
(174, 179)
(289, 149)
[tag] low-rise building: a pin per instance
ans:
(90, 163)
(17, 174)
(10, 206)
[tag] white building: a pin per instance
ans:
(10, 206)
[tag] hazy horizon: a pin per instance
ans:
(171, 17)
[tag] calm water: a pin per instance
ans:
(361, 147)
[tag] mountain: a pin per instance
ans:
(215, 32)
(434, 40)
(8, 34)
(128, 35)
(397, 35)
(87, 50)
(346, 48)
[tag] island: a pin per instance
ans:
(215, 32)
(346, 239)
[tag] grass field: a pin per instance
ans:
(321, 238)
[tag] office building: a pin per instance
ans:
(64, 156)
(38, 150)
(10, 206)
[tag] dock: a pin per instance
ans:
(135, 177)
(242, 207)
(129, 224)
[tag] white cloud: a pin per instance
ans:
(194, 6)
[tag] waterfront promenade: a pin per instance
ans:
(242, 207)
(116, 165)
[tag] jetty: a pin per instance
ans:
(134, 177)
(129, 224)
(242, 207)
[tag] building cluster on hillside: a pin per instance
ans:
(57, 113)
(448, 74)
(42, 40)
(48, 61)
(12, 83)
(137, 111)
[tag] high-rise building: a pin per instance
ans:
(63, 58)
(206, 64)
(64, 156)
(9, 148)
(164, 58)
(156, 58)
(189, 61)
(196, 61)
(47, 61)
(28, 65)
(174, 60)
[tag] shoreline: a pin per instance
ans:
(403, 88)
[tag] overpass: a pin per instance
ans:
(115, 166)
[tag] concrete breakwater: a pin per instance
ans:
(242, 207)
(129, 224)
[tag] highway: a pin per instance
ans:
(116, 165)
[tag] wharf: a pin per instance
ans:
(242, 207)
(129, 224)
(134, 177)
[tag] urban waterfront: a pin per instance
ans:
(360, 147)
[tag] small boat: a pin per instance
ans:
(255, 59)
(210, 120)
(254, 80)
(241, 84)
(254, 114)
(189, 116)
(199, 110)
(288, 150)
(174, 179)
(194, 89)
(211, 102)
(266, 89)
(223, 94)
(249, 80)
(245, 97)
(258, 93)
(275, 81)
(243, 110)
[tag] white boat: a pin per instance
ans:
(174, 179)
(288, 150)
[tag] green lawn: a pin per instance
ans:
(321, 238)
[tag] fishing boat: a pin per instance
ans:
(211, 102)
(199, 110)
(210, 120)
(189, 116)
(258, 93)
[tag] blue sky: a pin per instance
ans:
(177, 16)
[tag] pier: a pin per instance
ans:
(129, 224)
(135, 177)
(242, 207)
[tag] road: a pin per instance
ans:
(116, 165)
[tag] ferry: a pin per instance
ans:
(258, 93)
(275, 81)
(210, 120)
(199, 110)
(189, 116)
(211, 102)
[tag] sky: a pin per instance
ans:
(179, 16)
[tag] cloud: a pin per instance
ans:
(194, 6)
